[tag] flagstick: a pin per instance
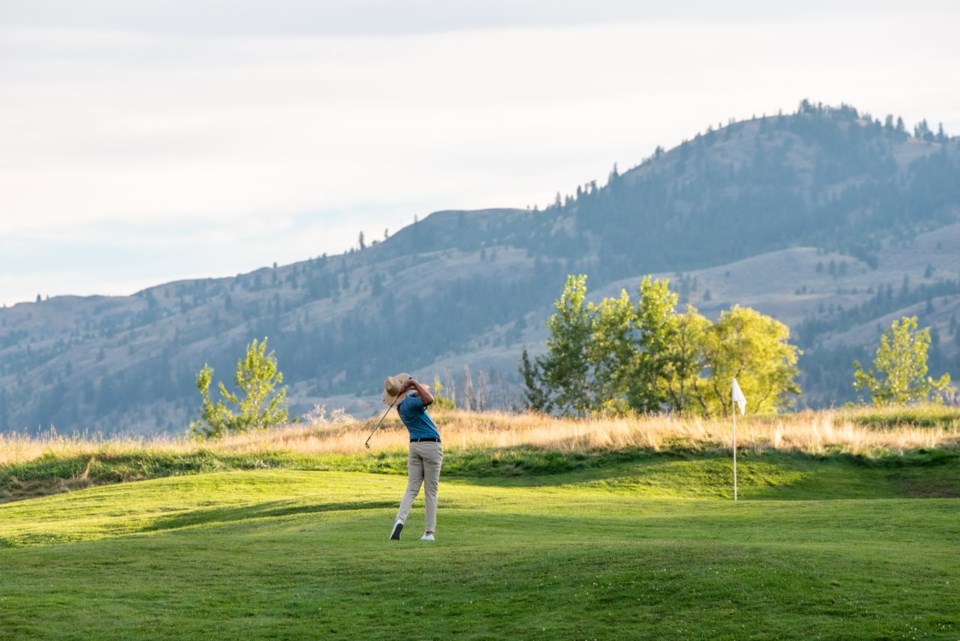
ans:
(737, 400)
(734, 412)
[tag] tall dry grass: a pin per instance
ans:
(809, 432)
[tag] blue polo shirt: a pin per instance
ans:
(414, 415)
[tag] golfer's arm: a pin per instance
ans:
(424, 393)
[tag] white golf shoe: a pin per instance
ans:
(395, 534)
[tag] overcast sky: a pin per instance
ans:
(153, 140)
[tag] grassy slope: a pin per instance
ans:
(623, 551)
(767, 475)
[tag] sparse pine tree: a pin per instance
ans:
(536, 397)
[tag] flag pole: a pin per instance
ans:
(734, 412)
(737, 400)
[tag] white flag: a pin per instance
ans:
(739, 398)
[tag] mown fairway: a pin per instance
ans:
(287, 554)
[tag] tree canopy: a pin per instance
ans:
(899, 373)
(619, 356)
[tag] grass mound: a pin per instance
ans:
(524, 448)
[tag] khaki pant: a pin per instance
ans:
(423, 468)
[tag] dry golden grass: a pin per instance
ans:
(808, 432)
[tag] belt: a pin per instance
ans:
(424, 440)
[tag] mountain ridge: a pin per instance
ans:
(462, 289)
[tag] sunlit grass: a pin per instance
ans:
(549, 528)
(282, 554)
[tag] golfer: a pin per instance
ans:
(426, 454)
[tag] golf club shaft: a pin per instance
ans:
(367, 442)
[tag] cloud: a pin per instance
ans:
(267, 129)
(284, 18)
(228, 18)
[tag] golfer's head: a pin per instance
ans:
(392, 386)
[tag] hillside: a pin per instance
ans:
(826, 218)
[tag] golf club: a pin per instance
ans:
(367, 442)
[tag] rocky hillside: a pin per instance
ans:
(828, 219)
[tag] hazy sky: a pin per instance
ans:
(144, 141)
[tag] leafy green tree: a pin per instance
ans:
(686, 358)
(753, 348)
(612, 352)
(632, 348)
(566, 366)
(258, 403)
(560, 379)
(656, 327)
(614, 356)
(899, 373)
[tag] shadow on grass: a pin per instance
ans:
(271, 510)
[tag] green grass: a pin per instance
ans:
(923, 415)
(646, 547)
(772, 474)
